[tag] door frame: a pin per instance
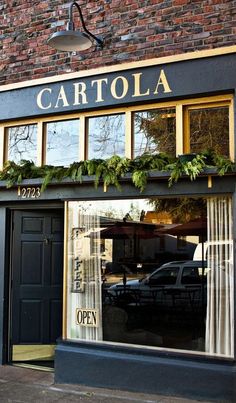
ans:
(7, 353)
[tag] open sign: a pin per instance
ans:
(87, 317)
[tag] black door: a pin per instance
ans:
(37, 265)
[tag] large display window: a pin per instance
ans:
(129, 281)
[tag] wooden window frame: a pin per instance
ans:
(182, 132)
(208, 103)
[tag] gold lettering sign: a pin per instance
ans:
(40, 95)
(102, 89)
(87, 317)
(29, 192)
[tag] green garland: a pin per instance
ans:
(112, 170)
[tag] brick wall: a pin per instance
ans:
(132, 30)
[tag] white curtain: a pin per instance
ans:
(83, 249)
(220, 290)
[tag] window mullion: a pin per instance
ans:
(179, 130)
(2, 146)
(128, 134)
(82, 142)
(40, 145)
(186, 131)
(231, 132)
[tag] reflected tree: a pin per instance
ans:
(155, 131)
(209, 129)
(182, 210)
(22, 143)
(106, 136)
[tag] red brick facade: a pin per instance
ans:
(132, 30)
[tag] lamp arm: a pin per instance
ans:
(98, 40)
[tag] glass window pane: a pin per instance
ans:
(192, 275)
(123, 287)
(209, 129)
(155, 131)
(106, 136)
(22, 143)
(62, 142)
(181, 242)
(165, 276)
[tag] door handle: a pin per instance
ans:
(46, 240)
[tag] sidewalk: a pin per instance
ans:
(23, 385)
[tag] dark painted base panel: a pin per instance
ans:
(144, 371)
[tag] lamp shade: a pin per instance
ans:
(70, 41)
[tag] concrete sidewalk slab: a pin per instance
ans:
(24, 385)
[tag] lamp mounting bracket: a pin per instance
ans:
(71, 23)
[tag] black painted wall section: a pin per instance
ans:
(2, 284)
(157, 186)
(142, 371)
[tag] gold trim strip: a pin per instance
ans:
(209, 182)
(5, 144)
(199, 54)
(40, 147)
(231, 131)
(2, 147)
(65, 273)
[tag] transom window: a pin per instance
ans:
(207, 127)
(21, 143)
(155, 131)
(106, 136)
(62, 142)
(173, 128)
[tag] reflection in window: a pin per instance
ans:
(209, 129)
(22, 143)
(106, 136)
(181, 242)
(165, 276)
(62, 142)
(142, 294)
(155, 131)
(192, 275)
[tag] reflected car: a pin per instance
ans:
(178, 283)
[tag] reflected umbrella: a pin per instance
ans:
(133, 230)
(124, 230)
(196, 227)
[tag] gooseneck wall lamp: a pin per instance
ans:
(71, 40)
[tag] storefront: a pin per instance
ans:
(135, 288)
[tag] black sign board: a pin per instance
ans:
(149, 84)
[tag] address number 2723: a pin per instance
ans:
(29, 192)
